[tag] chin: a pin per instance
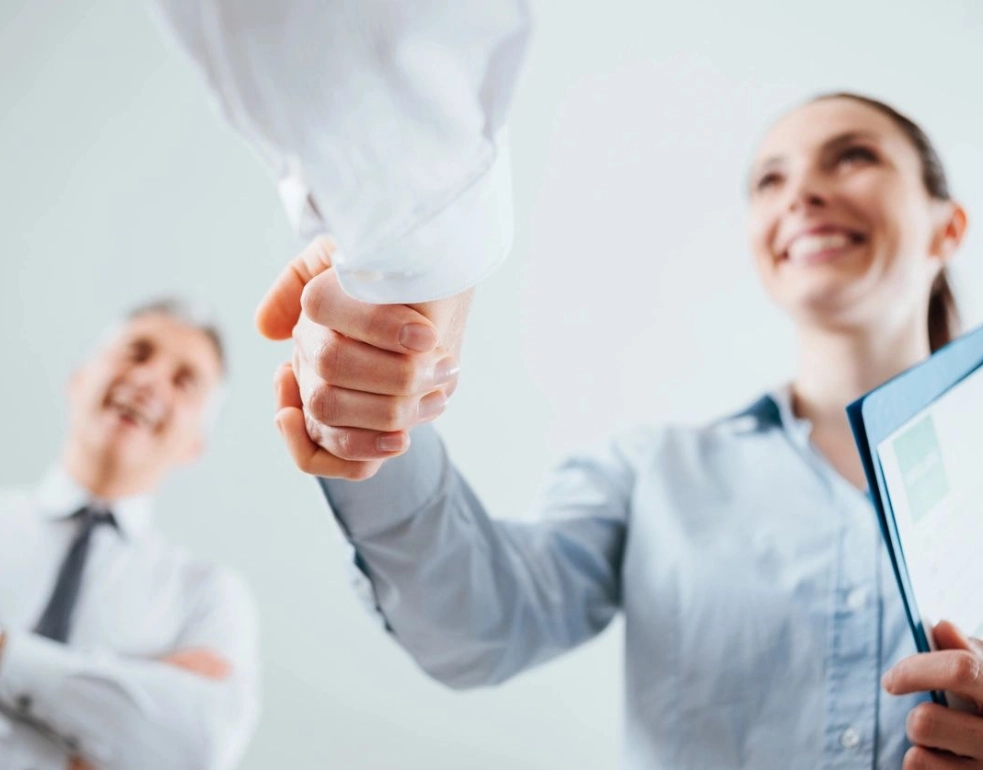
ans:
(826, 288)
(830, 310)
(117, 444)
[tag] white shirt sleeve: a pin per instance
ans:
(383, 121)
(120, 713)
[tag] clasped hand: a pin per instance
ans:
(362, 375)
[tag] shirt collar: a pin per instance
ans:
(773, 410)
(58, 496)
(798, 427)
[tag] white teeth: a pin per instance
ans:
(137, 415)
(805, 246)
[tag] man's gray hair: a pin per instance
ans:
(193, 314)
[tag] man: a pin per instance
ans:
(118, 649)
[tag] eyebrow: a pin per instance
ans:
(839, 140)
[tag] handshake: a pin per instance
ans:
(361, 375)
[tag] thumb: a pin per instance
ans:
(279, 310)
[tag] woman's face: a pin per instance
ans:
(842, 228)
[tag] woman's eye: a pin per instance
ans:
(768, 180)
(857, 155)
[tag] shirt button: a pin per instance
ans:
(856, 599)
(850, 738)
(24, 704)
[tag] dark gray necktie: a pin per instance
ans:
(56, 621)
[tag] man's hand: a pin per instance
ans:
(362, 375)
(943, 738)
(200, 661)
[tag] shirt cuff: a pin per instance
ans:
(443, 256)
(402, 487)
(29, 671)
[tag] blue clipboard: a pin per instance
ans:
(878, 414)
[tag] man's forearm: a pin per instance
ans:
(119, 713)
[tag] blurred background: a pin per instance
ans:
(630, 297)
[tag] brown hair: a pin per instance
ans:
(943, 311)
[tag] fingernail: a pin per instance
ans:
(391, 442)
(279, 423)
(445, 371)
(418, 337)
(431, 405)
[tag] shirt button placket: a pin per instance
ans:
(853, 662)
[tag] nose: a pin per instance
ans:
(806, 192)
(150, 377)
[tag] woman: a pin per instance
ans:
(761, 611)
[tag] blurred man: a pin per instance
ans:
(118, 649)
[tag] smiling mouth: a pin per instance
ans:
(133, 414)
(822, 246)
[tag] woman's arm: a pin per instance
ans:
(477, 600)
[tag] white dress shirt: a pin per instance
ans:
(106, 696)
(383, 121)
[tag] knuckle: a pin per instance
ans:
(328, 360)
(410, 376)
(313, 428)
(966, 668)
(323, 405)
(380, 319)
(916, 758)
(345, 444)
(920, 723)
(396, 414)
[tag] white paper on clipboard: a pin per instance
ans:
(933, 471)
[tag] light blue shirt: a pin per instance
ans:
(760, 606)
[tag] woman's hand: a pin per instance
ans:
(362, 375)
(943, 738)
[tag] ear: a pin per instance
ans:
(950, 231)
(75, 381)
(194, 450)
